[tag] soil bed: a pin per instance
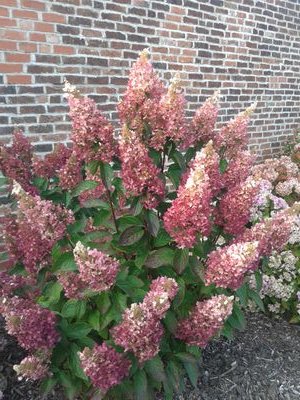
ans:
(261, 363)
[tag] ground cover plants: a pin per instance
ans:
(128, 255)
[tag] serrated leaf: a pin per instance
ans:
(74, 309)
(107, 174)
(152, 221)
(155, 369)
(83, 186)
(170, 321)
(140, 385)
(174, 173)
(47, 385)
(162, 238)
(181, 259)
(75, 362)
(65, 262)
(94, 319)
(186, 357)
(51, 294)
(160, 257)
(131, 235)
(257, 300)
(193, 372)
(242, 293)
(223, 165)
(77, 330)
(103, 302)
(258, 280)
(96, 203)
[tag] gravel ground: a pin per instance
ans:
(262, 363)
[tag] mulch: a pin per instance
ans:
(261, 363)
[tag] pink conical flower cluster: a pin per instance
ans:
(202, 128)
(173, 115)
(96, 269)
(32, 325)
(70, 174)
(15, 161)
(92, 134)
(190, 213)
(33, 367)
(233, 137)
(272, 234)
(140, 106)
(95, 193)
(104, 366)
(141, 330)
(238, 169)
(74, 287)
(51, 164)
(205, 320)
(227, 266)
(39, 225)
(140, 175)
(235, 206)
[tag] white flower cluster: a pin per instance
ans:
(278, 283)
(295, 235)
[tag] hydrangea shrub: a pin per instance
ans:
(279, 285)
(128, 256)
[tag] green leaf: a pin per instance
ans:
(101, 217)
(103, 302)
(242, 293)
(131, 235)
(96, 203)
(107, 174)
(257, 300)
(186, 357)
(77, 330)
(223, 165)
(140, 385)
(181, 259)
(237, 319)
(3, 181)
(51, 294)
(258, 280)
(128, 220)
(47, 385)
(180, 294)
(75, 362)
(174, 374)
(155, 369)
(170, 321)
(162, 238)
(160, 257)
(152, 221)
(94, 319)
(227, 331)
(77, 226)
(174, 173)
(193, 372)
(83, 186)
(65, 262)
(178, 158)
(74, 309)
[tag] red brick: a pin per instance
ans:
(35, 5)
(14, 35)
(52, 17)
(64, 50)
(3, 12)
(44, 27)
(38, 37)
(7, 22)
(10, 68)
(25, 14)
(19, 79)
(28, 47)
(8, 3)
(17, 57)
(7, 45)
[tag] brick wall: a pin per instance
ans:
(247, 48)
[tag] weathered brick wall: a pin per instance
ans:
(249, 49)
